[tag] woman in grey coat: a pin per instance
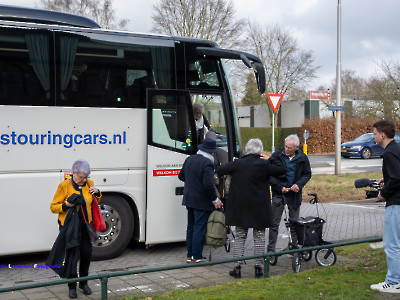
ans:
(249, 201)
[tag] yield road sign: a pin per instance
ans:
(274, 100)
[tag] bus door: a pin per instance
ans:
(170, 128)
(214, 117)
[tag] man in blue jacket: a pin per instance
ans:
(287, 189)
(199, 197)
(384, 132)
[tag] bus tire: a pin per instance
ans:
(119, 221)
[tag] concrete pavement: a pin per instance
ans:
(345, 221)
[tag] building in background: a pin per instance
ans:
(291, 113)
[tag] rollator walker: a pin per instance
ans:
(309, 232)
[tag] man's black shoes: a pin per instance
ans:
(72, 293)
(86, 289)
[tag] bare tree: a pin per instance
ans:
(297, 93)
(287, 66)
(384, 98)
(377, 96)
(392, 71)
(99, 10)
(353, 87)
(206, 19)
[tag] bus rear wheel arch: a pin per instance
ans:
(119, 220)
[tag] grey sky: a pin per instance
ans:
(369, 28)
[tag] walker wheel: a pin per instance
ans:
(325, 257)
(273, 260)
(296, 262)
(306, 255)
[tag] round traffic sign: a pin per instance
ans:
(306, 134)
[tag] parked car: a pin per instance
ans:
(364, 146)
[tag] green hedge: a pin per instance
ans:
(265, 135)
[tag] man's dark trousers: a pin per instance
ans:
(196, 230)
(278, 205)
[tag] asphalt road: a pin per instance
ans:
(325, 164)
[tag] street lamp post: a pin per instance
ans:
(338, 124)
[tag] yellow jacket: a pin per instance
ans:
(66, 189)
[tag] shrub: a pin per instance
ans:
(322, 132)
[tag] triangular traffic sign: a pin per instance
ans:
(274, 100)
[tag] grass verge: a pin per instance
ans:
(364, 266)
(338, 188)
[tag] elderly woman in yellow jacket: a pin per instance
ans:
(69, 190)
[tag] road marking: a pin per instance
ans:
(360, 206)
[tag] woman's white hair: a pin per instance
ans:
(197, 106)
(254, 146)
(81, 166)
(293, 137)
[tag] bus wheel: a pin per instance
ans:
(118, 217)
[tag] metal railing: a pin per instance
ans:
(104, 276)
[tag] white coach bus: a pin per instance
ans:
(120, 100)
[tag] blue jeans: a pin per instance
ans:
(195, 232)
(391, 242)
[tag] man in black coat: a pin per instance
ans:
(199, 197)
(248, 204)
(287, 189)
(384, 132)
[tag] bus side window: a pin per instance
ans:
(171, 123)
(3, 87)
(137, 91)
(100, 73)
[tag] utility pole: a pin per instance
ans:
(338, 124)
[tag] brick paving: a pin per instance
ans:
(345, 221)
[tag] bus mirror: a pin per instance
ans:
(259, 72)
(245, 60)
(248, 59)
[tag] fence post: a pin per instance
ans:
(266, 266)
(104, 281)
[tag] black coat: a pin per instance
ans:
(391, 174)
(249, 201)
(65, 250)
(302, 175)
(198, 174)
